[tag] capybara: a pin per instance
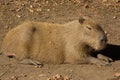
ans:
(72, 42)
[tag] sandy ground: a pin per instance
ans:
(105, 12)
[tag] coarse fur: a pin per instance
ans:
(72, 42)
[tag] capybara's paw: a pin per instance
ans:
(31, 62)
(102, 63)
(98, 62)
(104, 58)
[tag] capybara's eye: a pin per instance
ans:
(89, 27)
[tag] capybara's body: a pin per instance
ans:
(54, 43)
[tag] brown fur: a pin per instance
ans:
(55, 43)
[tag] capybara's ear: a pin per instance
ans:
(81, 20)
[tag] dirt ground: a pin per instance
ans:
(105, 12)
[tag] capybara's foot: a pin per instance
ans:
(97, 61)
(31, 62)
(104, 58)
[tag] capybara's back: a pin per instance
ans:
(41, 41)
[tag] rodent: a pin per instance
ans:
(72, 42)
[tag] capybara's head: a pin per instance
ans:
(92, 34)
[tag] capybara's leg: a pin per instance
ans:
(96, 61)
(31, 62)
(105, 58)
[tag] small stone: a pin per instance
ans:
(23, 75)
(86, 6)
(38, 66)
(104, 1)
(42, 75)
(46, 2)
(48, 10)
(31, 6)
(117, 1)
(49, 79)
(50, 42)
(115, 17)
(14, 78)
(31, 10)
(18, 16)
(39, 9)
(18, 9)
(36, 1)
(55, 3)
(117, 75)
(66, 78)
(58, 77)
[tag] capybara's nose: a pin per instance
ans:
(103, 40)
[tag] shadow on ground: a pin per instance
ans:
(112, 51)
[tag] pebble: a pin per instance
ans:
(117, 75)
(48, 10)
(14, 78)
(104, 1)
(42, 75)
(117, 1)
(31, 10)
(114, 17)
(18, 16)
(39, 9)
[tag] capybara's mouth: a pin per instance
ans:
(100, 48)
